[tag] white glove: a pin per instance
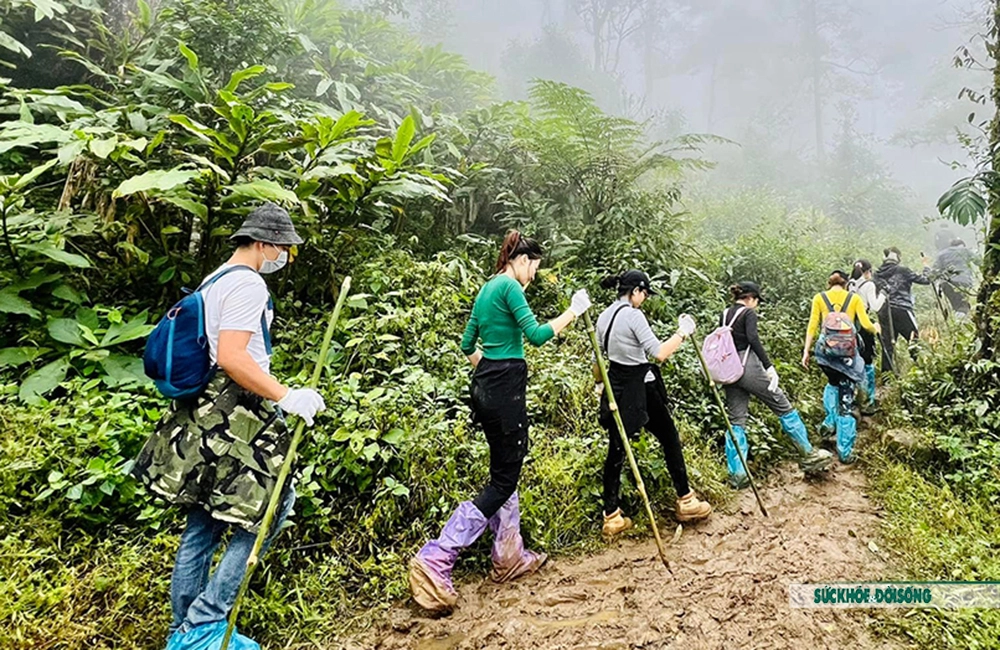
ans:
(772, 374)
(580, 303)
(303, 402)
(599, 388)
(686, 325)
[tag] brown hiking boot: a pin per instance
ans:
(615, 523)
(691, 508)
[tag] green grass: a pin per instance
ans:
(934, 534)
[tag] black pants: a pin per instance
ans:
(956, 296)
(904, 324)
(498, 402)
(660, 424)
(867, 347)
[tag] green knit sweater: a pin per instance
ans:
(501, 318)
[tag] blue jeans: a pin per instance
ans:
(194, 598)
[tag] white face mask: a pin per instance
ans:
(270, 266)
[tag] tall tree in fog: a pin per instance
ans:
(610, 25)
(832, 54)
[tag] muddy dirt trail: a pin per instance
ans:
(728, 589)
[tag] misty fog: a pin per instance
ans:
(811, 92)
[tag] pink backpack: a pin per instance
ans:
(723, 361)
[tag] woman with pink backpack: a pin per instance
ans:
(759, 379)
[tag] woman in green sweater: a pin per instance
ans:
(501, 319)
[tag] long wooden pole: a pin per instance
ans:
(621, 430)
(286, 467)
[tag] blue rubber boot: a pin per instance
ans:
(737, 476)
(868, 406)
(811, 461)
(831, 398)
(847, 426)
(792, 424)
(847, 432)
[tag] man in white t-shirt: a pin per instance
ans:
(219, 454)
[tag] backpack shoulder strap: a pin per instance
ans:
(265, 330)
(607, 334)
(736, 314)
(215, 278)
(826, 299)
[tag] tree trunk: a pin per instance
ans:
(711, 93)
(812, 44)
(988, 313)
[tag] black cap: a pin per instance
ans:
(748, 288)
(635, 279)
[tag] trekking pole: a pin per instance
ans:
(889, 350)
(938, 290)
(286, 467)
(729, 425)
(613, 405)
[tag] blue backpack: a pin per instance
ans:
(177, 356)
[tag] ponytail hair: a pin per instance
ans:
(736, 291)
(861, 267)
(612, 281)
(837, 278)
(516, 245)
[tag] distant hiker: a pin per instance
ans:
(953, 269)
(760, 380)
(832, 324)
(501, 319)
(626, 338)
(897, 317)
(944, 236)
(218, 454)
(862, 284)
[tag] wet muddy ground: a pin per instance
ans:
(728, 586)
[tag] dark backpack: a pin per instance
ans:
(177, 356)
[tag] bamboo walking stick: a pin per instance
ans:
(286, 467)
(621, 430)
(729, 425)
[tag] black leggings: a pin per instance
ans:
(660, 424)
(904, 324)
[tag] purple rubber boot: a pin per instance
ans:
(510, 559)
(430, 569)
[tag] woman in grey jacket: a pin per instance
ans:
(625, 336)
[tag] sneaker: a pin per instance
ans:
(827, 433)
(816, 462)
(848, 460)
(615, 523)
(691, 508)
(739, 481)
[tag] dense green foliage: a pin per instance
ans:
(126, 167)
